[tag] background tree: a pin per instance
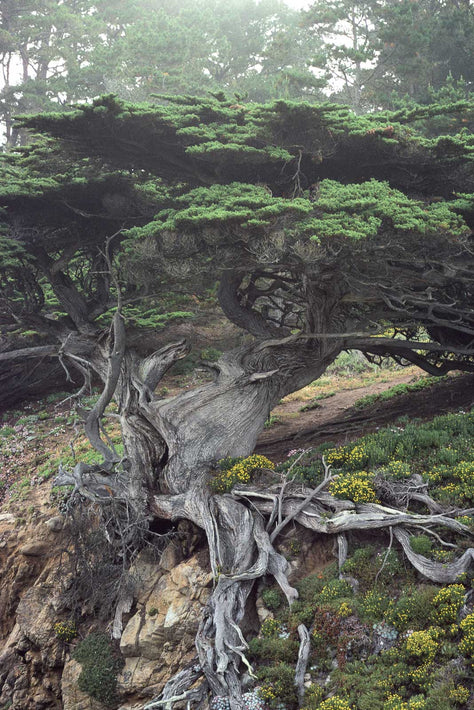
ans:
(351, 45)
(322, 229)
(422, 45)
(59, 53)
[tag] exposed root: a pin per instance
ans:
(302, 662)
(182, 687)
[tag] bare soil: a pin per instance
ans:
(338, 421)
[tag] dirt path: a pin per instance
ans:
(337, 420)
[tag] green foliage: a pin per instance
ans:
(272, 598)
(374, 605)
(396, 391)
(357, 212)
(334, 589)
(412, 610)
(274, 649)
(277, 684)
(100, 666)
(312, 697)
(314, 403)
(271, 628)
(421, 544)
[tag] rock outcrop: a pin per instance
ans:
(37, 670)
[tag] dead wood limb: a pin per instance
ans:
(114, 363)
(342, 548)
(440, 572)
(290, 516)
(302, 662)
(181, 687)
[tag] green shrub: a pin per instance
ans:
(100, 666)
(334, 589)
(210, 354)
(270, 628)
(374, 605)
(421, 544)
(309, 587)
(274, 649)
(272, 598)
(466, 645)
(312, 697)
(447, 604)
(278, 685)
(413, 610)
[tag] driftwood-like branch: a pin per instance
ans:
(342, 549)
(442, 573)
(302, 662)
(93, 422)
(311, 495)
(153, 368)
(181, 687)
(370, 516)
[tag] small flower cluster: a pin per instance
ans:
(447, 603)
(335, 589)
(422, 645)
(239, 472)
(422, 675)
(466, 646)
(65, 630)
(270, 628)
(357, 486)
(268, 694)
(398, 469)
(344, 610)
(334, 703)
(459, 694)
(395, 702)
(374, 604)
(458, 481)
(351, 457)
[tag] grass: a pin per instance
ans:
(397, 390)
(38, 438)
(348, 372)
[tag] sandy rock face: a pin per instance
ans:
(73, 698)
(36, 668)
(159, 638)
(31, 657)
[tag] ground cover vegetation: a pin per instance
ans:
(313, 230)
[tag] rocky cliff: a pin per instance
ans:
(37, 668)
